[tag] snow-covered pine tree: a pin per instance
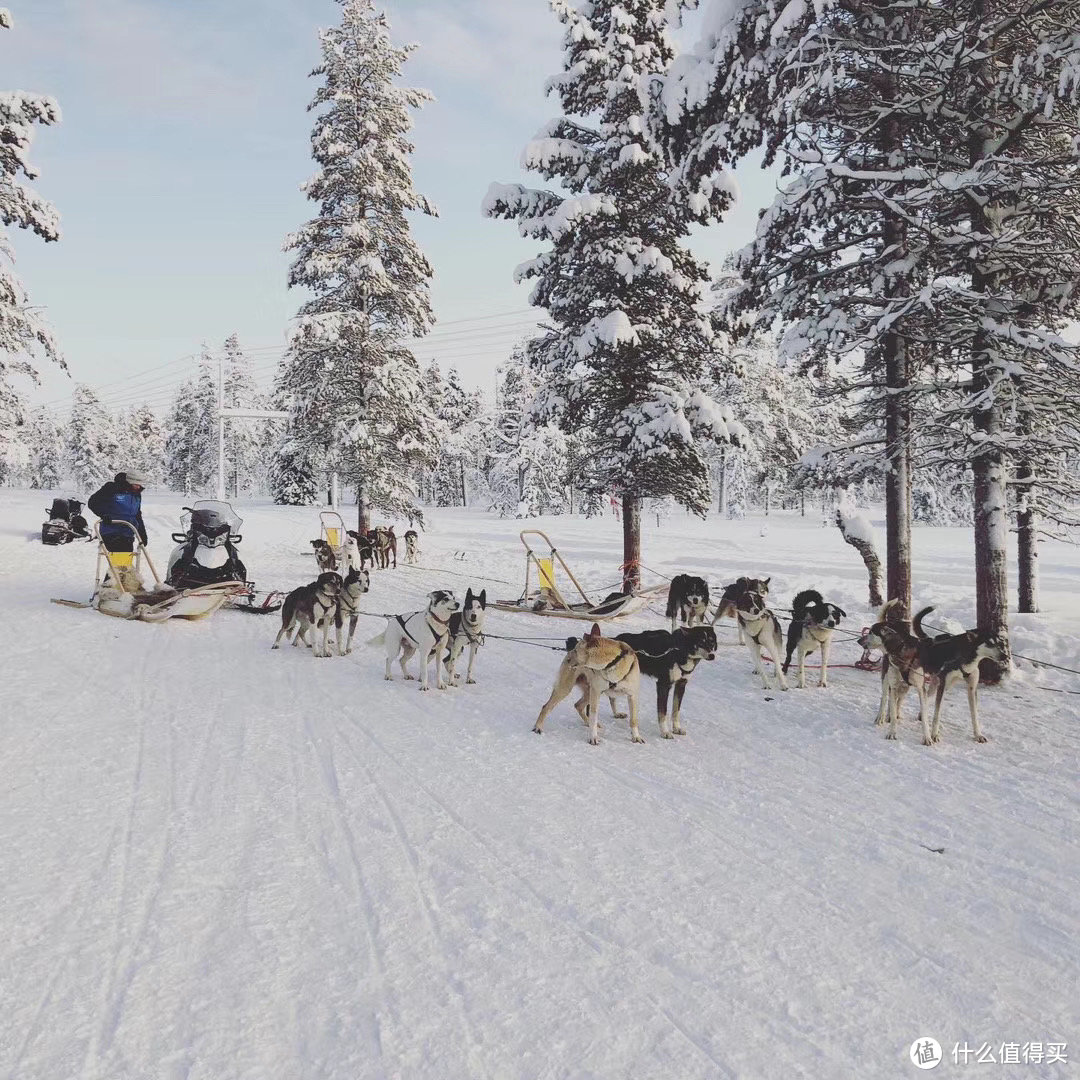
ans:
(191, 434)
(354, 388)
(23, 333)
(243, 438)
(146, 440)
(91, 444)
(456, 409)
(836, 91)
(1003, 213)
(46, 450)
(629, 343)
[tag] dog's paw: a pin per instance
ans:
(470, 682)
(537, 730)
(593, 742)
(679, 731)
(621, 715)
(980, 738)
(412, 678)
(890, 734)
(424, 689)
(440, 686)
(389, 678)
(928, 742)
(665, 735)
(640, 738)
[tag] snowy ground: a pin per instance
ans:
(224, 862)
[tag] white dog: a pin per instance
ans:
(424, 632)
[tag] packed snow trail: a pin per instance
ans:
(222, 861)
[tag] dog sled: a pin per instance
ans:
(119, 590)
(547, 598)
(332, 530)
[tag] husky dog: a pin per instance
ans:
(385, 544)
(357, 551)
(688, 600)
(466, 628)
(812, 625)
(356, 583)
(412, 547)
(901, 670)
(733, 593)
(762, 628)
(670, 658)
(309, 608)
(597, 665)
(424, 632)
(324, 556)
(952, 657)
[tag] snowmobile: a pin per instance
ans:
(65, 523)
(206, 555)
(120, 590)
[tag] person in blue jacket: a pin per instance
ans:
(120, 500)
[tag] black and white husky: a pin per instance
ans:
(811, 629)
(466, 629)
(356, 583)
(412, 547)
(762, 631)
(310, 607)
(688, 600)
(424, 632)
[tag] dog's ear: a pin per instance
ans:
(595, 631)
(315, 543)
(483, 598)
(766, 581)
(841, 612)
(468, 596)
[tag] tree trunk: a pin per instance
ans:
(464, 501)
(363, 512)
(869, 558)
(631, 531)
(802, 503)
(721, 482)
(991, 504)
(1027, 541)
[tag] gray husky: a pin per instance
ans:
(311, 606)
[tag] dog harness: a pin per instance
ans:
(439, 637)
(618, 659)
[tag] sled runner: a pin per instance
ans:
(119, 590)
(546, 598)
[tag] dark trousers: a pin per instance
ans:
(124, 542)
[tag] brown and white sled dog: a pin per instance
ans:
(901, 669)
(762, 631)
(812, 624)
(310, 607)
(735, 593)
(597, 665)
(356, 583)
(412, 547)
(688, 600)
(466, 630)
(424, 632)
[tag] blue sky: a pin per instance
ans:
(185, 137)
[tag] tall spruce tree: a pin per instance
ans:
(46, 448)
(354, 388)
(91, 445)
(243, 438)
(23, 333)
(629, 343)
(835, 91)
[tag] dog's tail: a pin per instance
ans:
(808, 598)
(916, 624)
(379, 639)
(671, 599)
